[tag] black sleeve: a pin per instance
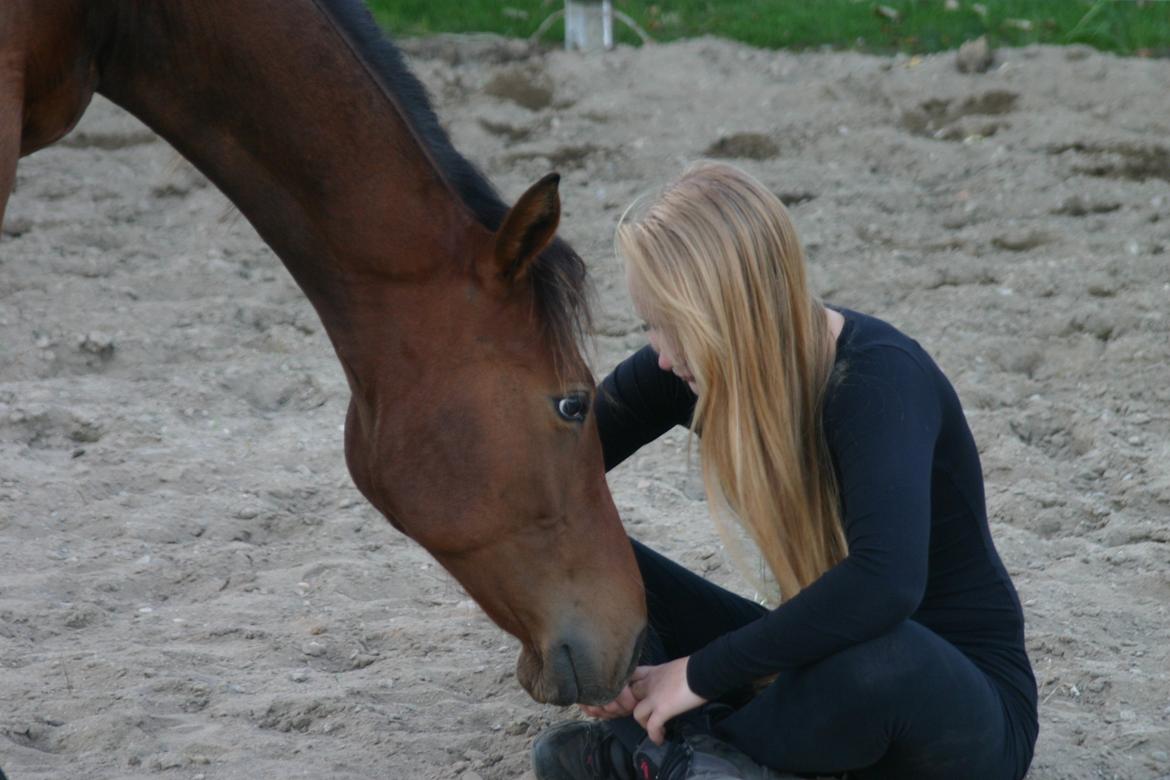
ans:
(882, 422)
(637, 403)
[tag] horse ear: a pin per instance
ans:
(528, 228)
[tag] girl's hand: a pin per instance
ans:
(618, 708)
(662, 692)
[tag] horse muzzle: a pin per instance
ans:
(571, 670)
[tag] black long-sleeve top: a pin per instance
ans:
(911, 490)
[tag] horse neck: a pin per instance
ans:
(275, 105)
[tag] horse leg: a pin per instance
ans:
(11, 124)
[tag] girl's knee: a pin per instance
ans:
(891, 665)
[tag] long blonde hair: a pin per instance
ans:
(716, 266)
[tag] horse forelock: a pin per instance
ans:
(561, 289)
(558, 277)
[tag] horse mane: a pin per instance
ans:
(558, 277)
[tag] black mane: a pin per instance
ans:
(558, 277)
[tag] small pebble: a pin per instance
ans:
(361, 660)
(96, 343)
(299, 675)
(974, 56)
(1020, 240)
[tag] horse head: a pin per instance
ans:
(487, 453)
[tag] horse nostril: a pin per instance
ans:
(568, 683)
(582, 676)
(568, 650)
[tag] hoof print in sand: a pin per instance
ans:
(510, 133)
(944, 120)
(565, 158)
(746, 146)
(1020, 240)
(304, 716)
(48, 429)
(1079, 206)
(524, 87)
(791, 199)
(1055, 434)
(1132, 162)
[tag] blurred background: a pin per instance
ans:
(1132, 27)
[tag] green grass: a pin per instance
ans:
(917, 26)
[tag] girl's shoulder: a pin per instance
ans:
(874, 339)
(874, 356)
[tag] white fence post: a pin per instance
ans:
(588, 24)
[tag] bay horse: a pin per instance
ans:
(455, 318)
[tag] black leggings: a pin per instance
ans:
(906, 705)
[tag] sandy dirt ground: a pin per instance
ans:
(190, 587)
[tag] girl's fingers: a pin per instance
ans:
(627, 700)
(642, 712)
(647, 718)
(617, 708)
(621, 706)
(607, 712)
(656, 729)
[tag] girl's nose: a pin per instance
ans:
(664, 362)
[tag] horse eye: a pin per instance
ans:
(573, 407)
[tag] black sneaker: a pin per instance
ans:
(698, 757)
(581, 750)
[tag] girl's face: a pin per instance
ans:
(669, 355)
(669, 358)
